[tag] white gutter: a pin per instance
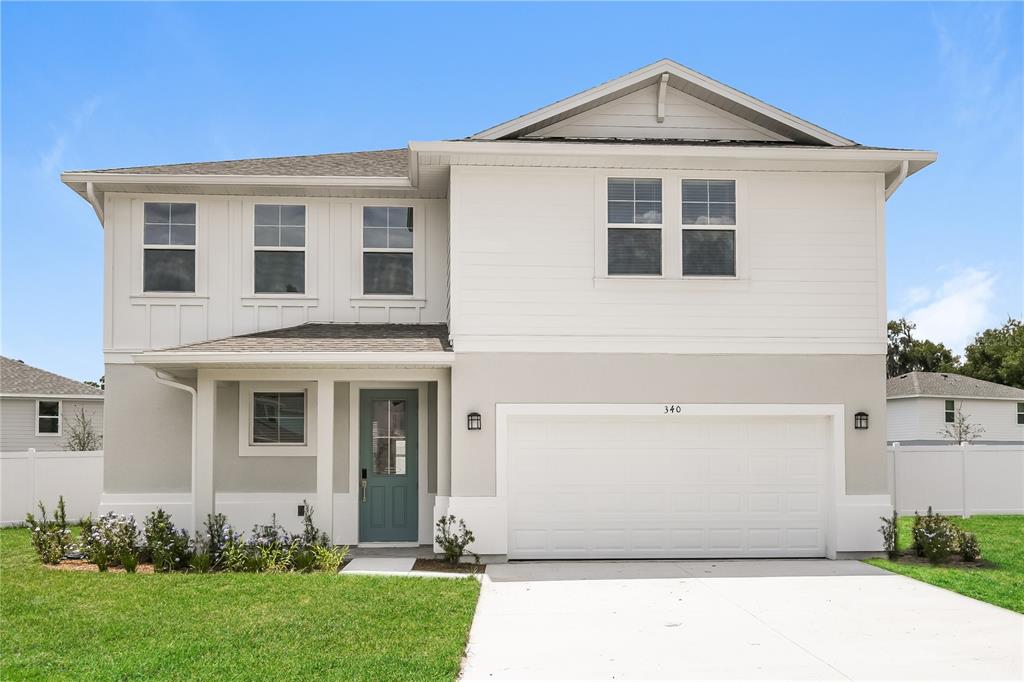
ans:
(90, 196)
(261, 180)
(298, 358)
(900, 177)
(166, 379)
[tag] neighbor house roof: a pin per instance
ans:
(947, 385)
(19, 379)
(331, 338)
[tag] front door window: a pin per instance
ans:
(389, 440)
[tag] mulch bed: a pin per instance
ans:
(954, 561)
(84, 566)
(438, 566)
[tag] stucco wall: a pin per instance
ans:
(18, 423)
(480, 380)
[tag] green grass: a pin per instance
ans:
(74, 625)
(1002, 544)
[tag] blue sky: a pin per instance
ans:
(99, 85)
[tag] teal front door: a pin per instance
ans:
(388, 465)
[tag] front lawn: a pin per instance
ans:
(1002, 544)
(75, 625)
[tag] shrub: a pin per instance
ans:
(200, 561)
(935, 537)
(329, 558)
(970, 550)
(167, 547)
(891, 535)
(112, 538)
(453, 541)
(50, 537)
(311, 535)
(216, 534)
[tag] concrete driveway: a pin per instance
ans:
(794, 619)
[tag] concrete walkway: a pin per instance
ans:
(801, 619)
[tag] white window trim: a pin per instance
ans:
(139, 221)
(249, 228)
(418, 250)
(946, 411)
(606, 224)
(735, 227)
(246, 391)
(60, 418)
(1016, 415)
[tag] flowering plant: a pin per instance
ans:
(168, 548)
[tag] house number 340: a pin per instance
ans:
(673, 409)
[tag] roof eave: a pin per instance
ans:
(168, 359)
(71, 178)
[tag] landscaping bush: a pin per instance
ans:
(891, 535)
(970, 549)
(328, 558)
(935, 537)
(453, 541)
(167, 547)
(50, 537)
(111, 539)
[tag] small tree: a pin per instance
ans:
(82, 435)
(961, 429)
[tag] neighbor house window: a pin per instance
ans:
(279, 238)
(279, 418)
(387, 250)
(708, 249)
(48, 417)
(950, 412)
(634, 250)
(1020, 413)
(169, 256)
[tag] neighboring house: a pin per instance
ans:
(637, 322)
(36, 406)
(921, 404)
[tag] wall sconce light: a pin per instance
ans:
(473, 421)
(860, 420)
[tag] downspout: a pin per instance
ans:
(90, 195)
(898, 180)
(167, 379)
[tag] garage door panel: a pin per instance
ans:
(662, 487)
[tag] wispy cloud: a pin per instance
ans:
(953, 312)
(52, 159)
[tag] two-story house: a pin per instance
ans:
(637, 322)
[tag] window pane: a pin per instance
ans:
(709, 252)
(620, 211)
(375, 216)
(399, 216)
(634, 252)
(379, 424)
(695, 190)
(648, 212)
(49, 425)
(293, 215)
(400, 238)
(387, 273)
(183, 235)
(375, 237)
(49, 408)
(183, 214)
(695, 214)
(267, 214)
(157, 234)
(950, 405)
(397, 426)
(620, 189)
(267, 235)
(648, 190)
(156, 213)
(722, 214)
(169, 270)
(280, 272)
(721, 190)
(291, 430)
(382, 456)
(292, 235)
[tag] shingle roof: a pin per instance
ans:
(384, 163)
(336, 338)
(18, 378)
(944, 384)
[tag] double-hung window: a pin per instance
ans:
(1020, 413)
(387, 250)
(709, 228)
(279, 238)
(47, 417)
(634, 226)
(169, 254)
(278, 418)
(950, 411)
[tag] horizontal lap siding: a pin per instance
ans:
(18, 423)
(524, 262)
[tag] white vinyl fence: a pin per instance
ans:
(28, 477)
(957, 480)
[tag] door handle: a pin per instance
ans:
(362, 485)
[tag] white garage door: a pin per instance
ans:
(682, 486)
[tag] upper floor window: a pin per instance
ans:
(47, 417)
(634, 250)
(1020, 413)
(387, 250)
(279, 238)
(709, 250)
(950, 411)
(169, 256)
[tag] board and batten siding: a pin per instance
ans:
(224, 304)
(18, 423)
(526, 267)
(914, 419)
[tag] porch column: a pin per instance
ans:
(444, 435)
(324, 510)
(202, 465)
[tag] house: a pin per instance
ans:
(36, 407)
(919, 405)
(637, 322)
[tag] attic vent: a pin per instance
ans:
(945, 376)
